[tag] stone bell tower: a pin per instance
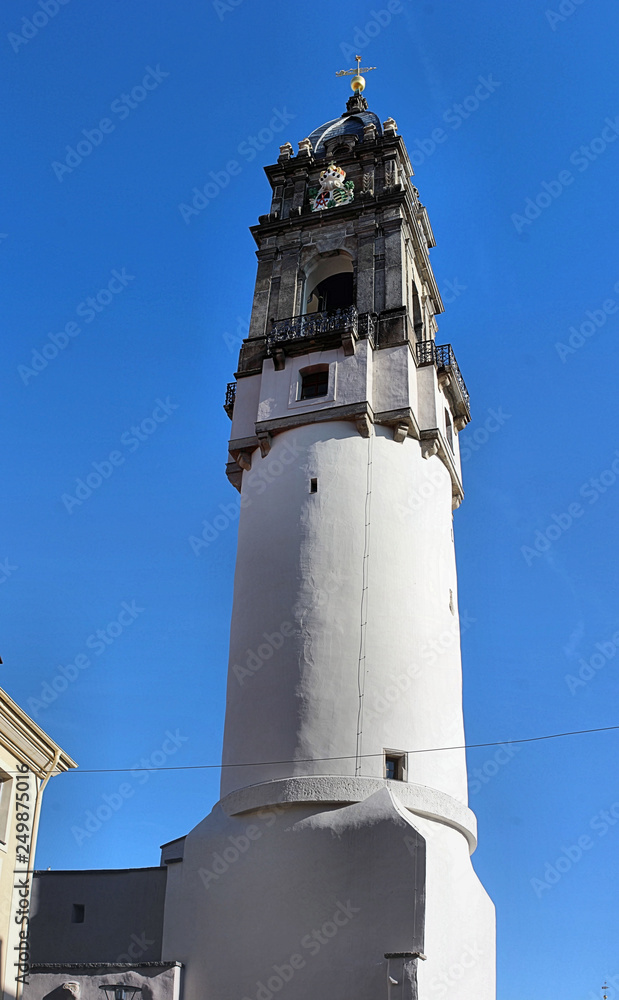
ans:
(337, 862)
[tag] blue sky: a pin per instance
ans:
(521, 190)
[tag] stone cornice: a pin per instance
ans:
(342, 790)
(21, 737)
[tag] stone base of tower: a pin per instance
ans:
(308, 900)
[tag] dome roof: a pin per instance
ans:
(346, 125)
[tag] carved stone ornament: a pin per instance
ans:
(334, 189)
(305, 147)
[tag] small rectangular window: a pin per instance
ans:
(313, 486)
(395, 766)
(315, 383)
(78, 913)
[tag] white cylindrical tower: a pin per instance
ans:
(339, 853)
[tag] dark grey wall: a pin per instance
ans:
(123, 915)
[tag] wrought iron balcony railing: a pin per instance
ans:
(230, 398)
(312, 325)
(442, 355)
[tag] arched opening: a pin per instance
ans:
(329, 283)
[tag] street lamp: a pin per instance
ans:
(120, 991)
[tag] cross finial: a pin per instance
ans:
(357, 83)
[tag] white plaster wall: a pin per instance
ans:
(353, 383)
(253, 887)
(428, 394)
(245, 407)
(300, 570)
(395, 382)
(460, 942)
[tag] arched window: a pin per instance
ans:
(329, 283)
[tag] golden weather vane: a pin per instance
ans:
(357, 83)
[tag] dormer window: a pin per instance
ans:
(314, 382)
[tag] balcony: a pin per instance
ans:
(321, 330)
(230, 398)
(442, 355)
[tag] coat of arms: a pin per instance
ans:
(334, 189)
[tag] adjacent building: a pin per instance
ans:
(28, 759)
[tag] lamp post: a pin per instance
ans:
(120, 991)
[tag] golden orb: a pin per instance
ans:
(358, 84)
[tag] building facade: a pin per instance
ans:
(28, 759)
